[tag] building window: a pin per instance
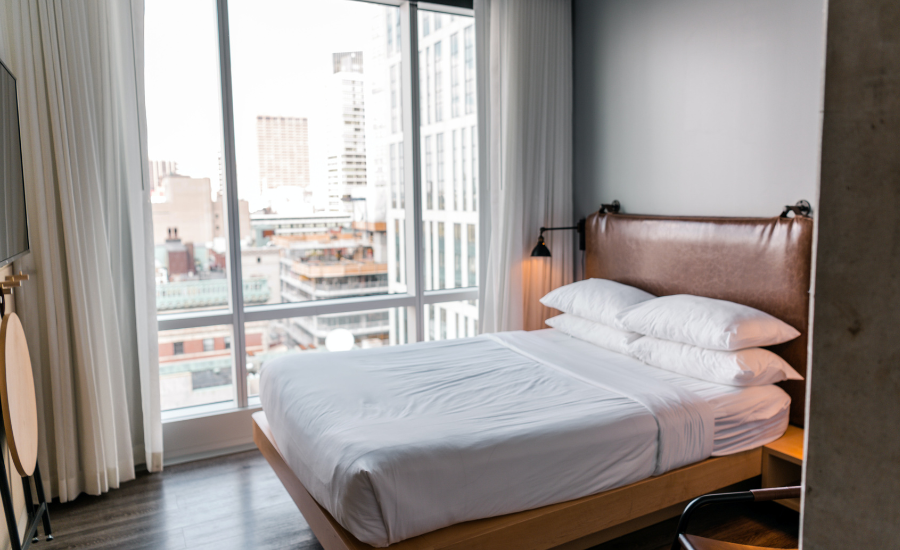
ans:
(393, 174)
(469, 37)
(395, 98)
(438, 83)
(397, 30)
(453, 162)
(462, 164)
(439, 140)
(178, 348)
(428, 91)
(472, 260)
(401, 176)
(442, 268)
(429, 255)
(397, 262)
(457, 255)
(454, 75)
(431, 330)
(429, 182)
(209, 344)
(474, 168)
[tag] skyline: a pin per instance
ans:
(269, 78)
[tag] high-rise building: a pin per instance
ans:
(449, 152)
(347, 125)
(283, 149)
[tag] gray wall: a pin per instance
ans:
(708, 107)
(852, 474)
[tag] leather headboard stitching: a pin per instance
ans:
(764, 263)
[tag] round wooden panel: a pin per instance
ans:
(17, 395)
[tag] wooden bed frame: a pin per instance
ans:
(761, 262)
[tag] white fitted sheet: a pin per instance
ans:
(396, 442)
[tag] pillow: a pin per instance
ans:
(597, 300)
(746, 367)
(704, 322)
(598, 334)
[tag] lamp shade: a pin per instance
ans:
(540, 250)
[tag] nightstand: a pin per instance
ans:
(782, 462)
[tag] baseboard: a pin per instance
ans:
(208, 454)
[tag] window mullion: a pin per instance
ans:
(232, 210)
(412, 174)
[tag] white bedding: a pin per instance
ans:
(396, 442)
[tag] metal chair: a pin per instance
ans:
(692, 542)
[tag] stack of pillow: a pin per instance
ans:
(703, 338)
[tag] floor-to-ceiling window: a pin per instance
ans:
(284, 137)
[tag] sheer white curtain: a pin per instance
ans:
(89, 308)
(524, 53)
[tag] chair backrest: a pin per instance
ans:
(17, 396)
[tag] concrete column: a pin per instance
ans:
(852, 470)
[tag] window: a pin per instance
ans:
(470, 70)
(398, 272)
(454, 75)
(474, 159)
(438, 83)
(462, 151)
(428, 92)
(315, 143)
(395, 99)
(453, 162)
(471, 261)
(429, 181)
(457, 255)
(439, 140)
(442, 268)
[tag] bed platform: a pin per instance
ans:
(572, 525)
(760, 262)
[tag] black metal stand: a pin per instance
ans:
(36, 513)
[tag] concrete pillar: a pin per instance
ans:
(852, 470)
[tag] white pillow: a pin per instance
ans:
(746, 367)
(597, 300)
(598, 334)
(704, 322)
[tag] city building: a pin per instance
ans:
(160, 169)
(283, 148)
(346, 126)
(449, 130)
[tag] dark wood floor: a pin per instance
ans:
(236, 502)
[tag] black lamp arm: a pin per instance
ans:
(579, 228)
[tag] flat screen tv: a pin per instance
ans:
(13, 220)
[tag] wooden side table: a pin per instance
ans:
(782, 463)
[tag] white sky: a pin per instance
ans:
(281, 65)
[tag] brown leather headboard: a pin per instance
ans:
(760, 262)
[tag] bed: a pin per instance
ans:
(554, 441)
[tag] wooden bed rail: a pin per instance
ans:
(572, 525)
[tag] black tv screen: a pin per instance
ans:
(13, 221)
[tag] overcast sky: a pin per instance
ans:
(281, 65)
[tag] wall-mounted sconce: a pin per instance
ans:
(802, 208)
(541, 250)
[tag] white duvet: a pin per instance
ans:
(396, 442)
